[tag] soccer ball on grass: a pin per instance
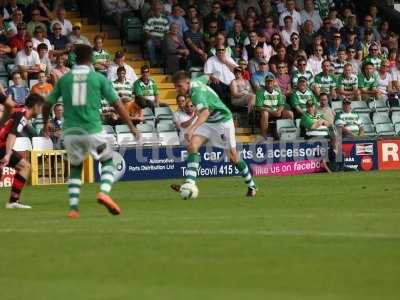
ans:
(189, 191)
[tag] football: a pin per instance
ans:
(189, 191)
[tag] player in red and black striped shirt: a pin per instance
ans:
(16, 123)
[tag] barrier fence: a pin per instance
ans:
(52, 167)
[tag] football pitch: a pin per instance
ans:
(305, 237)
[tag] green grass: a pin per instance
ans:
(306, 237)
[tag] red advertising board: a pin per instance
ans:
(389, 155)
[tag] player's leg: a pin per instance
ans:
(101, 150)
(22, 167)
(229, 133)
(76, 147)
(192, 160)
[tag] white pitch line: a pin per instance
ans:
(217, 232)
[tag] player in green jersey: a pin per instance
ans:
(81, 91)
(214, 124)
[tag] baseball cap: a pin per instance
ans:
(263, 62)
(346, 101)
(77, 24)
(269, 78)
(302, 78)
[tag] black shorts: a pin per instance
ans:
(14, 159)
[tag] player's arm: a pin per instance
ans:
(124, 115)
(9, 147)
(202, 116)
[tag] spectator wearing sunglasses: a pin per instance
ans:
(57, 40)
(302, 72)
(76, 37)
(294, 49)
(374, 56)
(34, 23)
(27, 61)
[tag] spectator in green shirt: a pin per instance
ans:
(270, 102)
(313, 124)
(147, 87)
(368, 82)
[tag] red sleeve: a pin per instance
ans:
(19, 124)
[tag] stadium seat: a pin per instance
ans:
(168, 136)
(385, 129)
(22, 144)
(4, 81)
(108, 129)
(148, 114)
(32, 82)
(378, 106)
(126, 139)
(381, 118)
(369, 130)
(397, 128)
(360, 107)
(337, 105)
(145, 128)
(286, 129)
(148, 134)
(365, 119)
(42, 143)
(122, 129)
(163, 112)
(396, 117)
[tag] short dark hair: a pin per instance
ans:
(144, 67)
(42, 46)
(33, 99)
(15, 73)
(83, 54)
(140, 101)
(323, 94)
(120, 69)
(180, 75)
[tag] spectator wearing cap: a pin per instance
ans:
(60, 18)
(216, 16)
(279, 57)
(369, 25)
(60, 68)
(17, 17)
(34, 23)
(27, 61)
(76, 37)
(309, 13)
(17, 90)
(18, 41)
(287, 30)
(241, 92)
(147, 87)
(312, 123)
(271, 104)
(254, 42)
(57, 39)
(119, 61)
(325, 82)
(155, 29)
(334, 46)
(368, 82)
(254, 62)
(194, 41)
(39, 38)
(294, 15)
(349, 122)
(294, 49)
(101, 58)
(220, 69)
(374, 56)
(258, 78)
(300, 96)
(302, 71)
(339, 62)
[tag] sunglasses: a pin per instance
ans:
(220, 50)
